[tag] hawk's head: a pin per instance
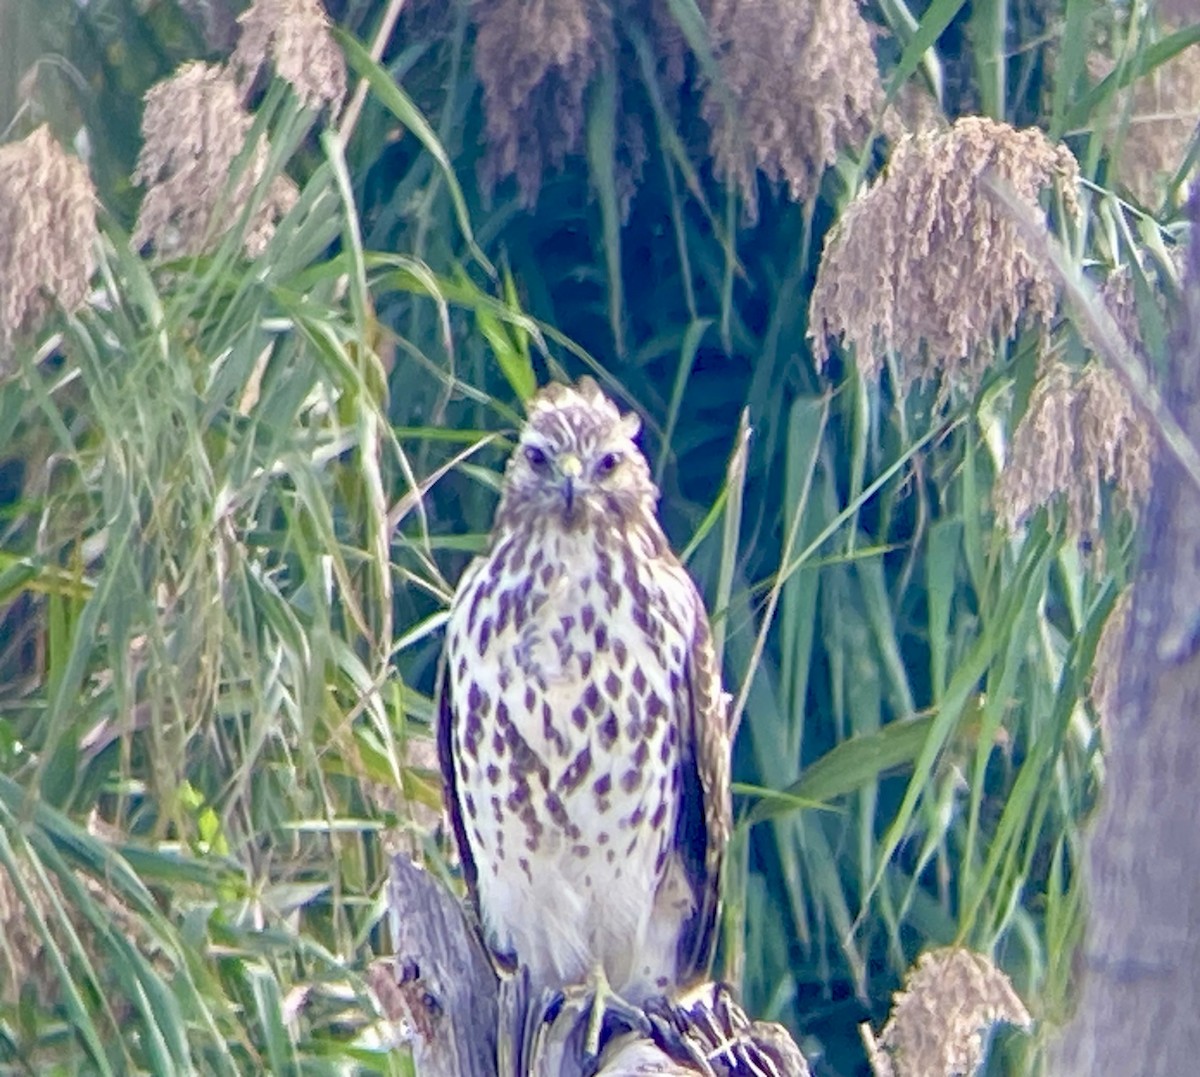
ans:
(577, 462)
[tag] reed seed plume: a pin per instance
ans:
(1153, 123)
(48, 234)
(292, 36)
(215, 21)
(281, 196)
(951, 997)
(194, 129)
(24, 965)
(1119, 296)
(535, 59)
(30, 893)
(1080, 434)
(800, 84)
(928, 265)
(1106, 667)
(796, 85)
(913, 110)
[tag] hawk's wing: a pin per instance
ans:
(449, 768)
(445, 727)
(705, 812)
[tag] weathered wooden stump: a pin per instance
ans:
(463, 1020)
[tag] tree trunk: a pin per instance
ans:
(1139, 1008)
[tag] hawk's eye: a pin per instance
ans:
(537, 457)
(608, 464)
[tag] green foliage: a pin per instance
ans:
(237, 494)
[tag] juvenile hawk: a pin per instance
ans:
(583, 732)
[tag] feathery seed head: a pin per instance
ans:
(1155, 122)
(281, 196)
(293, 37)
(535, 59)
(913, 110)
(24, 963)
(929, 265)
(1119, 293)
(29, 892)
(1120, 299)
(577, 462)
(48, 233)
(1106, 666)
(1080, 432)
(950, 997)
(800, 84)
(194, 128)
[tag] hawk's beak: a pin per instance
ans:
(571, 467)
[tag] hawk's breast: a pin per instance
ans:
(567, 685)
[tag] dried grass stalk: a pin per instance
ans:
(803, 85)
(48, 234)
(928, 265)
(950, 998)
(1080, 432)
(194, 129)
(293, 37)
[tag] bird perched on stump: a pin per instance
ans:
(583, 732)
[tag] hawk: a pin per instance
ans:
(583, 733)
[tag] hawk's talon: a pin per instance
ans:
(605, 1001)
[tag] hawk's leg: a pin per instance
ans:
(605, 1001)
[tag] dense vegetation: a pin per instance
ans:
(892, 375)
